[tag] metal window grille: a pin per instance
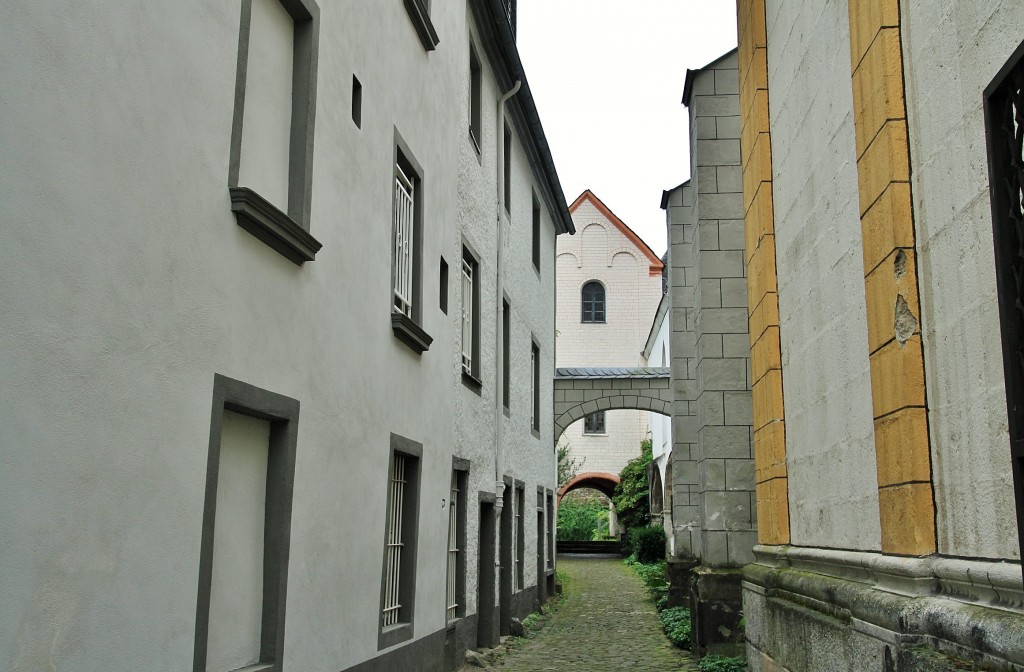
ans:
(519, 534)
(467, 316)
(594, 423)
(551, 532)
(516, 565)
(404, 219)
(396, 494)
(1004, 110)
(453, 546)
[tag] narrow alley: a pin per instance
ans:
(606, 623)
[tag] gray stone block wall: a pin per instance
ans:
(717, 471)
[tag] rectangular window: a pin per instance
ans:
(518, 537)
(357, 102)
(399, 572)
(443, 286)
(456, 572)
(271, 151)
(474, 98)
(406, 244)
(506, 355)
(551, 531)
(508, 169)
(594, 423)
(470, 317)
(535, 387)
(536, 234)
(243, 563)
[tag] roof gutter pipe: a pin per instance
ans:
(499, 341)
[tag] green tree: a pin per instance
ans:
(568, 466)
(631, 494)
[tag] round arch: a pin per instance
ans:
(601, 481)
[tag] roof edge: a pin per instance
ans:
(588, 195)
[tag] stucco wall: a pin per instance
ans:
(960, 323)
(829, 431)
(131, 285)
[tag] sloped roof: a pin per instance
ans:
(588, 195)
(688, 82)
(585, 372)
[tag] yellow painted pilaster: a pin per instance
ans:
(903, 456)
(771, 476)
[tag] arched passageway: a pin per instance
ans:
(598, 480)
(581, 391)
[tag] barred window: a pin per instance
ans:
(594, 423)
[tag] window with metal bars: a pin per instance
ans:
(470, 318)
(404, 240)
(392, 570)
(551, 532)
(593, 302)
(594, 423)
(398, 583)
(454, 505)
(518, 538)
(1004, 122)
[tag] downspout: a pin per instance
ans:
(499, 382)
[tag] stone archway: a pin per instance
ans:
(584, 390)
(598, 480)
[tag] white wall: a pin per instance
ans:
(830, 450)
(952, 50)
(130, 285)
(600, 251)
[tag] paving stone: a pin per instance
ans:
(606, 624)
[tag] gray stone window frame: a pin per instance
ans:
(409, 330)
(461, 467)
(472, 379)
(419, 14)
(519, 493)
(283, 415)
(403, 630)
(287, 233)
(598, 304)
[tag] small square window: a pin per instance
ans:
(594, 423)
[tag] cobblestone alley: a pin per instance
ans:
(606, 624)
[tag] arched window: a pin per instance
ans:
(593, 302)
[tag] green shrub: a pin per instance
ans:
(631, 493)
(676, 622)
(578, 518)
(647, 543)
(722, 664)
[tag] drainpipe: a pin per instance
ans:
(499, 382)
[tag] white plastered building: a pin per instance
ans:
(278, 305)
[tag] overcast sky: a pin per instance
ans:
(608, 80)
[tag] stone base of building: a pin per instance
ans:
(821, 610)
(714, 598)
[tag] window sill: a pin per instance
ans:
(472, 382)
(535, 432)
(421, 22)
(410, 333)
(394, 634)
(262, 219)
(475, 143)
(595, 433)
(508, 412)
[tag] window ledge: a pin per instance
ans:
(595, 433)
(394, 634)
(508, 411)
(262, 219)
(535, 432)
(410, 333)
(472, 382)
(422, 23)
